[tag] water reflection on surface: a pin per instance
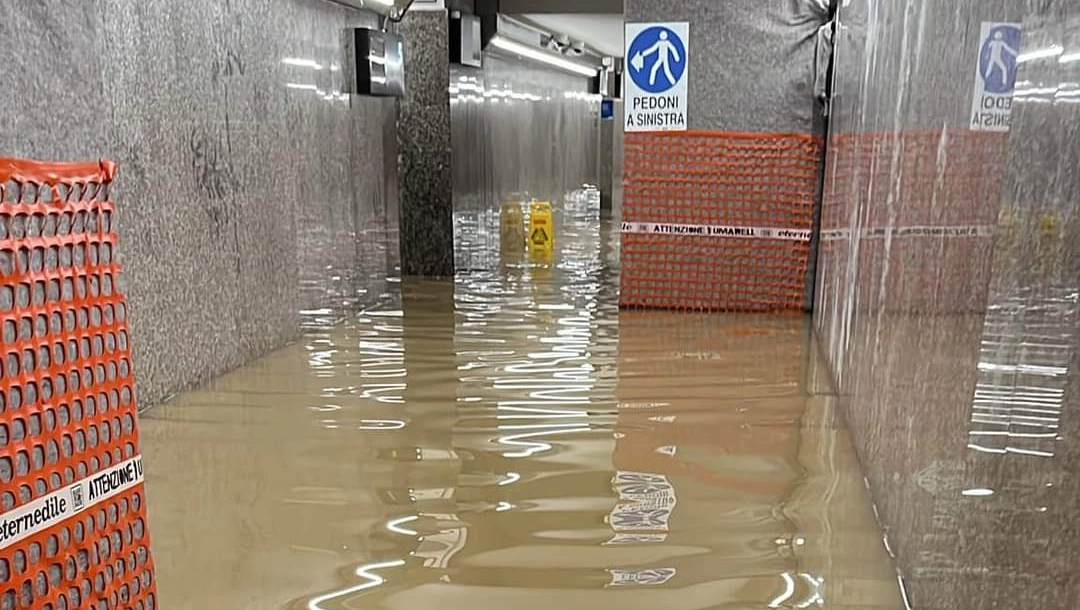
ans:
(512, 438)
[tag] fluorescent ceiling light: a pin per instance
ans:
(1051, 51)
(526, 51)
(1069, 57)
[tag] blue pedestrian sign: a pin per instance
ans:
(995, 76)
(657, 71)
(607, 110)
(657, 59)
(997, 58)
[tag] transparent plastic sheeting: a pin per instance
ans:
(519, 132)
(947, 292)
(72, 510)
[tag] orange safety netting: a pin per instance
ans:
(73, 530)
(741, 190)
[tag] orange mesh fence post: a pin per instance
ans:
(73, 530)
(718, 221)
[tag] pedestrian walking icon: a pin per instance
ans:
(997, 59)
(657, 59)
(657, 76)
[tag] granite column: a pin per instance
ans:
(427, 226)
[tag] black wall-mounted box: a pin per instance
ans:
(465, 42)
(374, 63)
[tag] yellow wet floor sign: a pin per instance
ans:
(541, 228)
(540, 236)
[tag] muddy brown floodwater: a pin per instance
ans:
(510, 439)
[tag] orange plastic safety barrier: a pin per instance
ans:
(73, 530)
(718, 221)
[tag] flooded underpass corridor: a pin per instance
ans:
(540, 305)
(513, 439)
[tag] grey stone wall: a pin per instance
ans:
(243, 171)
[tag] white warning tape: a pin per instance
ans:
(914, 231)
(655, 228)
(43, 513)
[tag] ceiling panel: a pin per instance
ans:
(603, 32)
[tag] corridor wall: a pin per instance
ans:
(947, 301)
(611, 162)
(249, 187)
(750, 159)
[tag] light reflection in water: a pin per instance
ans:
(535, 378)
(395, 525)
(371, 580)
(516, 440)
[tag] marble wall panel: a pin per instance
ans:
(243, 169)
